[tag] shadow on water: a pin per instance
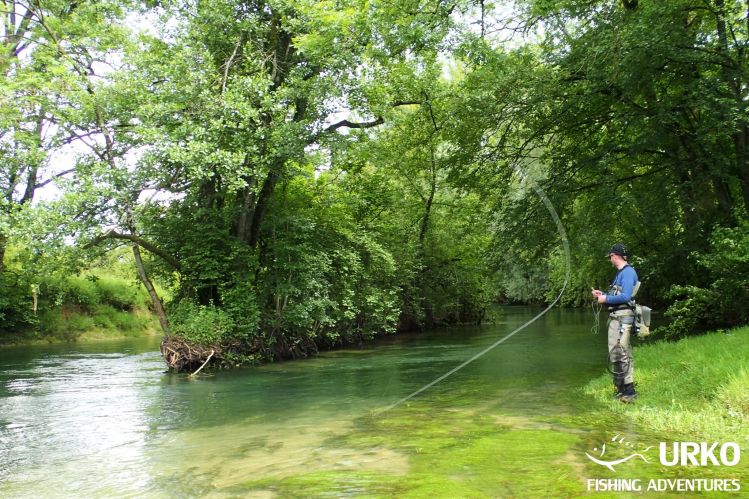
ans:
(104, 419)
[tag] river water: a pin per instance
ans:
(105, 419)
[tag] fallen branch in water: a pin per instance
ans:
(204, 363)
(183, 356)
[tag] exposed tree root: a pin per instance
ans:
(181, 355)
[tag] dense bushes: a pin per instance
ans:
(721, 303)
(203, 324)
(317, 281)
(16, 311)
(324, 275)
(68, 306)
(89, 291)
(326, 287)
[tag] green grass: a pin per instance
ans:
(696, 387)
(85, 307)
(98, 322)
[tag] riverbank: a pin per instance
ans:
(103, 322)
(101, 303)
(698, 387)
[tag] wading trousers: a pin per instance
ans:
(620, 346)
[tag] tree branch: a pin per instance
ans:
(54, 177)
(113, 234)
(351, 124)
(368, 124)
(616, 180)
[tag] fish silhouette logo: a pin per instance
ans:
(618, 439)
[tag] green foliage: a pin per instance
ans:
(120, 294)
(16, 314)
(69, 305)
(622, 117)
(240, 302)
(109, 317)
(73, 291)
(100, 321)
(203, 325)
(217, 141)
(87, 291)
(323, 278)
(722, 302)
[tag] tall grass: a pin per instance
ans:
(696, 387)
(95, 306)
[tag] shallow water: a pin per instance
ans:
(105, 420)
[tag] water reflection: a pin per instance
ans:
(72, 417)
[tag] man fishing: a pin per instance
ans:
(619, 301)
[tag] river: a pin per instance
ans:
(105, 420)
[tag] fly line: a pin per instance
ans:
(566, 245)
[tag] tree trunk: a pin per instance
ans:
(421, 278)
(28, 195)
(246, 197)
(427, 214)
(3, 243)
(155, 300)
(688, 200)
(724, 197)
(732, 78)
(263, 201)
(740, 144)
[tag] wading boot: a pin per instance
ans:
(629, 395)
(618, 390)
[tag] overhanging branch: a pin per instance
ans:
(113, 234)
(616, 181)
(54, 177)
(351, 124)
(367, 124)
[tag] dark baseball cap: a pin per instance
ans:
(617, 249)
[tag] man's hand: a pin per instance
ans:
(599, 295)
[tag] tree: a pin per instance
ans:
(232, 107)
(53, 56)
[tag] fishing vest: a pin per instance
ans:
(615, 289)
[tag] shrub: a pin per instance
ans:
(70, 291)
(16, 314)
(120, 293)
(203, 325)
(79, 323)
(326, 286)
(722, 303)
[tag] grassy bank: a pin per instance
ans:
(697, 387)
(103, 322)
(97, 321)
(85, 307)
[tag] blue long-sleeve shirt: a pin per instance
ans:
(626, 279)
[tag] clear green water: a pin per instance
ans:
(105, 420)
